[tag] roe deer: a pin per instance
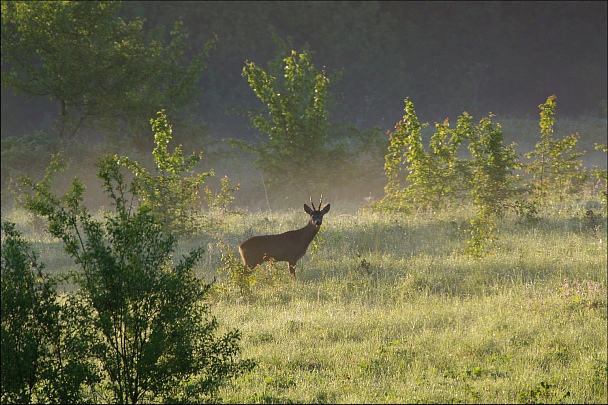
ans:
(287, 247)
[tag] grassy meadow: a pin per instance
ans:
(385, 308)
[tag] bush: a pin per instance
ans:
(153, 336)
(171, 194)
(44, 347)
(435, 178)
(440, 177)
(298, 151)
(556, 168)
(488, 179)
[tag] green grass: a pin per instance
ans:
(423, 348)
(385, 308)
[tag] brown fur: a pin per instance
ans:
(287, 247)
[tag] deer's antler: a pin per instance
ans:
(321, 202)
(313, 205)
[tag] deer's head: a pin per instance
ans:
(316, 214)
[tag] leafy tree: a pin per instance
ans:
(44, 351)
(434, 178)
(170, 195)
(602, 175)
(556, 166)
(97, 67)
(153, 335)
(297, 152)
(440, 176)
(405, 143)
(493, 184)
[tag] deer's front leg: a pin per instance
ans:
(292, 270)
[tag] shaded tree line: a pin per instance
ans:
(501, 57)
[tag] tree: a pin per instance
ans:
(493, 184)
(556, 168)
(297, 152)
(440, 176)
(171, 196)
(97, 67)
(153, 335)
(433, 178)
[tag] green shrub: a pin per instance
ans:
(488, 179)
(493, 184)
(153, 335)
(556, 169)
(171, 193)
(298, 151)
(44, 346)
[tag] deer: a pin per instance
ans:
(287, 247)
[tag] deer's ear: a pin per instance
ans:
(307, 209)
(325, 210)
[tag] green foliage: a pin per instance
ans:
(493, 185)
(152, 333)
(452, 173)
(26, 154)
(237, 275)
(435, 178)
(171, 196)
(556, 168)
(602, 175)
(297, 151)
(43, 347)
(440, 177)
(239, 278)
(224, 198)
(96, 66)
(488, 180)
(406, 135)
(481, 233)
(542, 393)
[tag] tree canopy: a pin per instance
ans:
(100, 69)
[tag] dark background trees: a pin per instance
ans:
(503, 57)
(102, 72)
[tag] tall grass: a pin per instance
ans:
(387, 309)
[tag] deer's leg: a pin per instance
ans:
(292, 270)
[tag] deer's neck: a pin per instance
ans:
(309, 232)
